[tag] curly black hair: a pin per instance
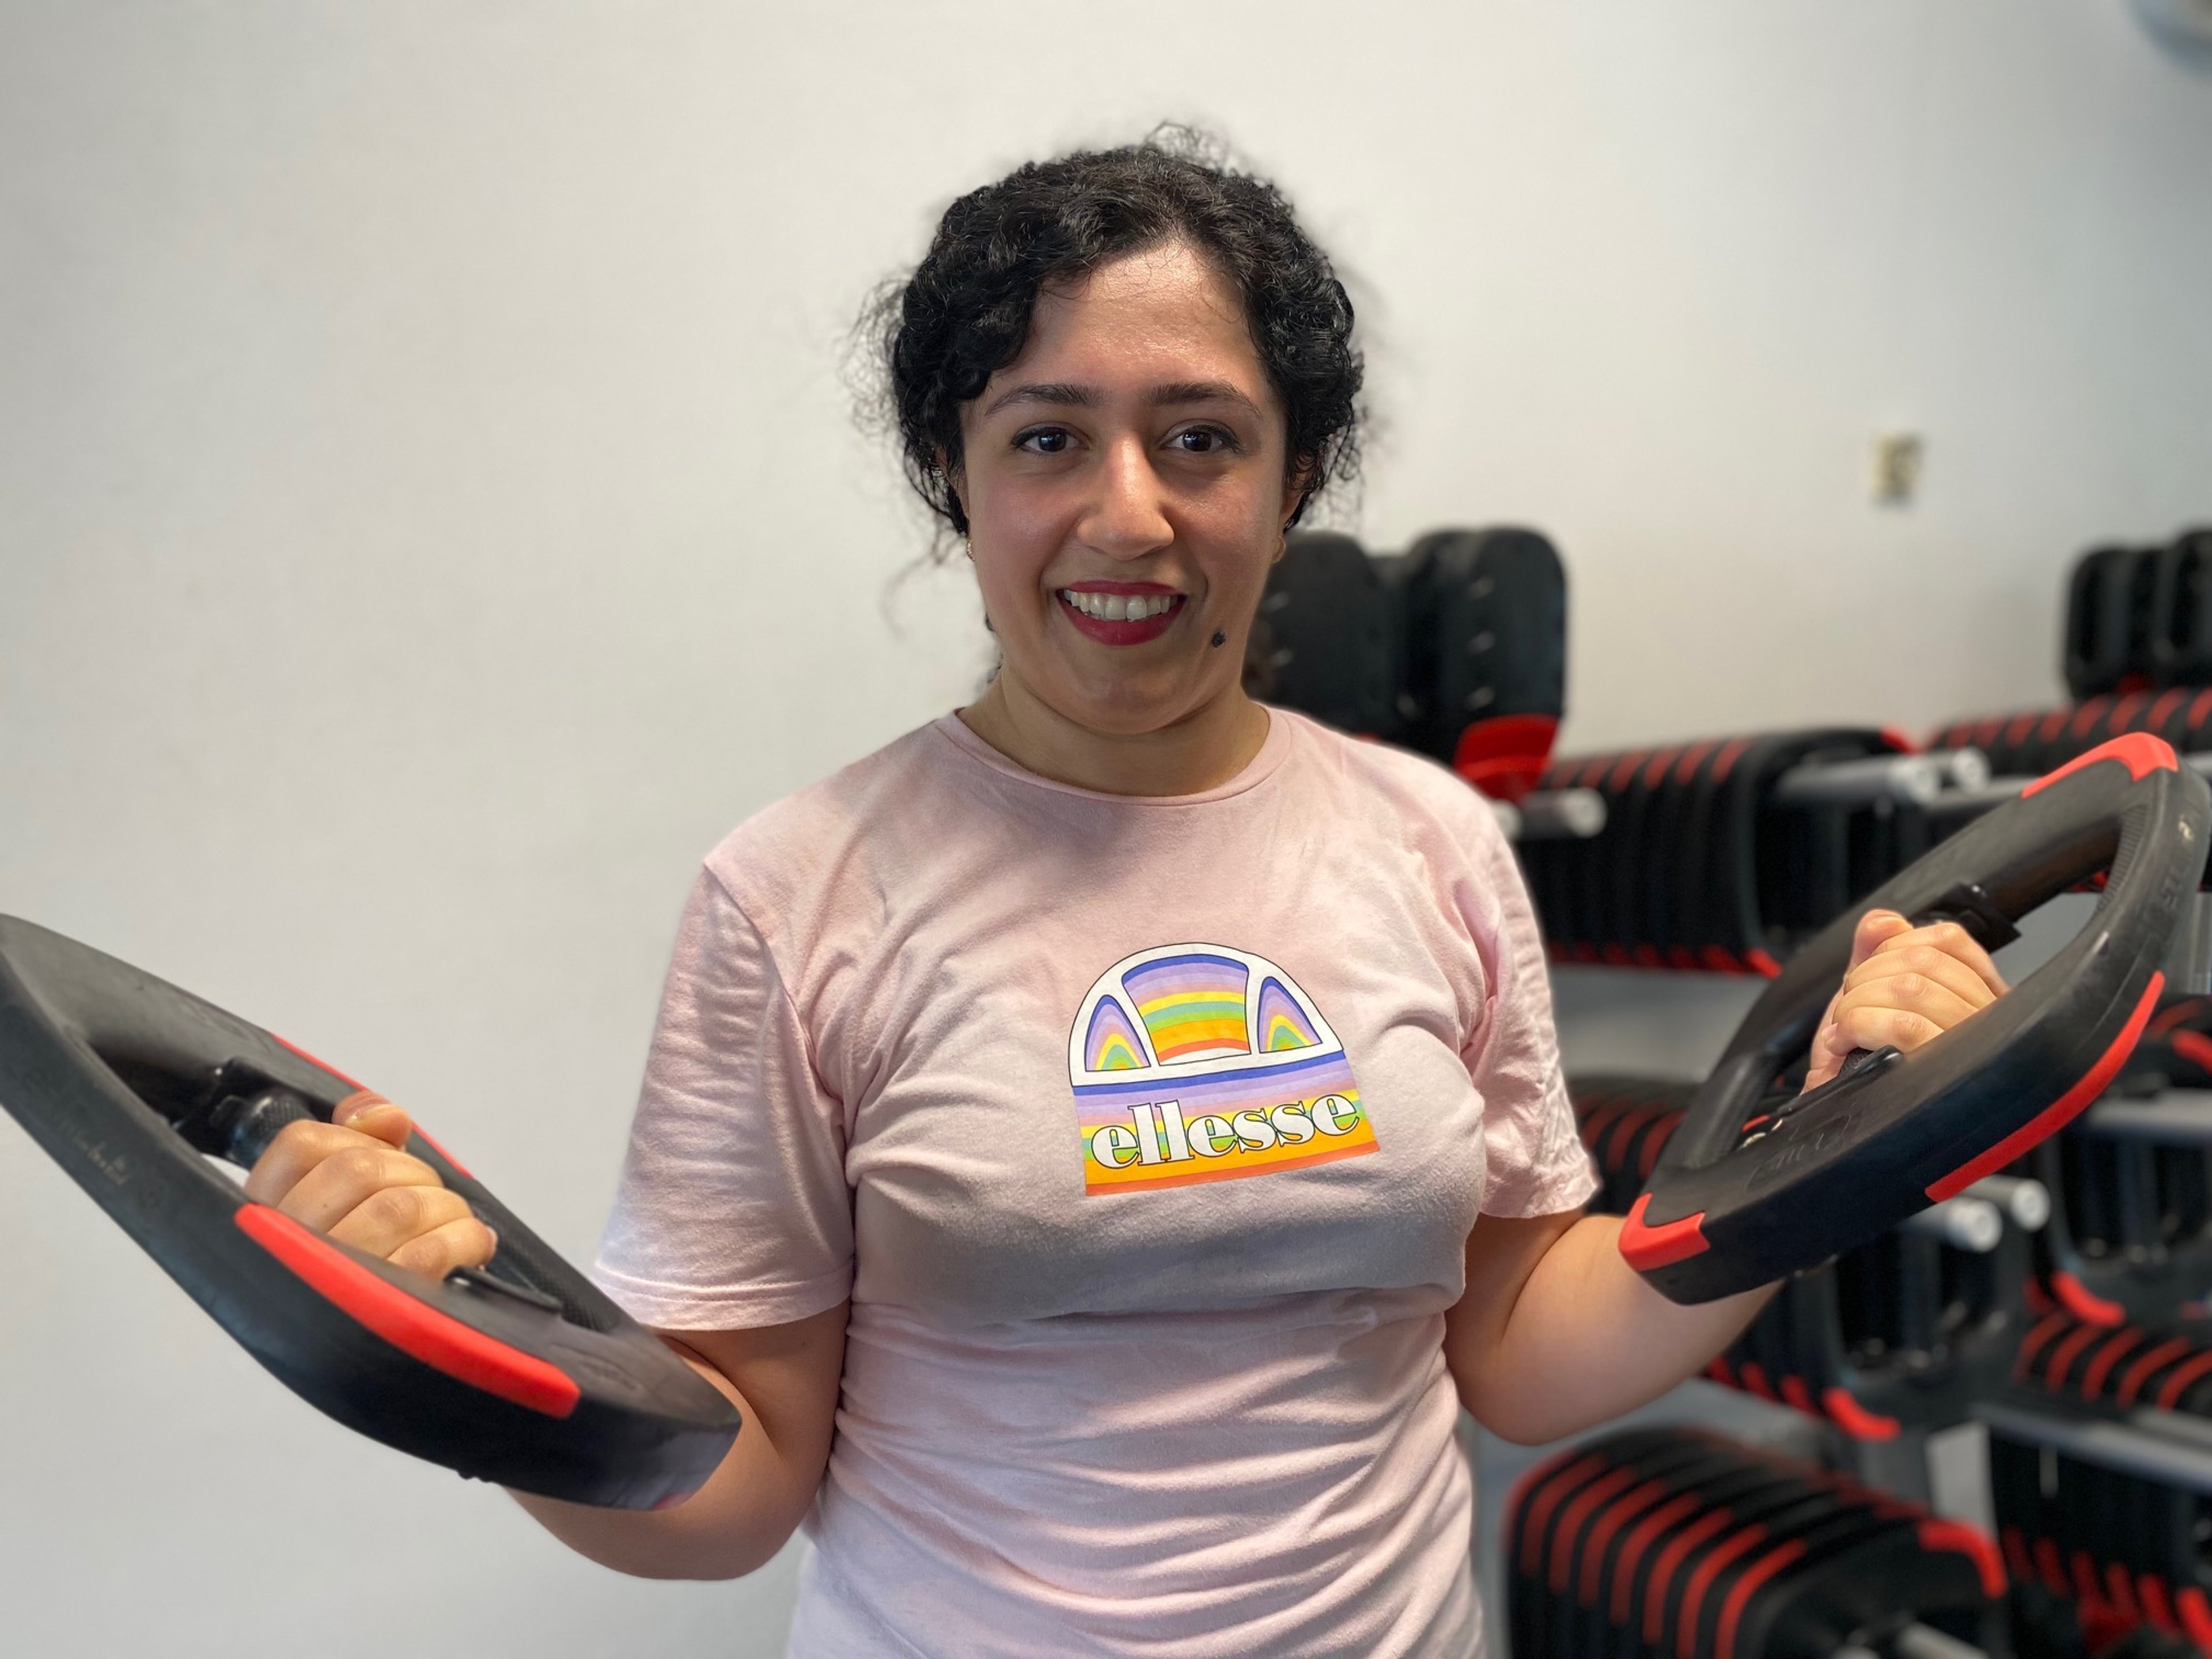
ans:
(963, 314)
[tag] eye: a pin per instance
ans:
(1204, 440)
(1044, 440)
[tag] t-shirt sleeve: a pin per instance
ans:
(1535, 1162)
(734, 1209)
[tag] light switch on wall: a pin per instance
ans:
(1897, 462)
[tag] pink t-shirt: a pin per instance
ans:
(1145, 1135)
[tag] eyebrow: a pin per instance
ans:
(1065, 395)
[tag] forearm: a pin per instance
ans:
(1585, 1340)
(735, 1524)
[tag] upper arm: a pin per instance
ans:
(1536, 1175)
(733, 1209)
(1534, 1163)
(1502, 1254)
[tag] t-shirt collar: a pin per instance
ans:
(1273, 748)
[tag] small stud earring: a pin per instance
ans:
(1221, 638)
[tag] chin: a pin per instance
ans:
(1125, 712)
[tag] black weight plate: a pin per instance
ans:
(526, 1376)
(1854, 1158)
(1486, 631)
(1581, 865)
(2108, 620)
(1324, 642)
(1841, 1584)
(1696, 907)
(1660, 856)
(1642, 804)
(2181, 612)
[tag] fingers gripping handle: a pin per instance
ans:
(238, 1127)
(1742, 1195)
(126, 1081)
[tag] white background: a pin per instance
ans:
(431, 514)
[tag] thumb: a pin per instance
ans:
(373, 1115)
(1875, 927)
(1823, 1063)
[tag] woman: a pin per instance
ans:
(1085, 1105)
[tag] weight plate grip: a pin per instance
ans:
(549, 1388)
(1852, 1158)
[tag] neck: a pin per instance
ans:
(1202, 749)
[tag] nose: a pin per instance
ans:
(1127, 518)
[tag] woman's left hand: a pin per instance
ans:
(1904, 986)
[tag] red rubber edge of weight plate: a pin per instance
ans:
(2150, 1590)
(2041, 1332)
(1524, 1491)
(2062, 1111)
(1646, 1247)
(1855, 1420)
(2139, 751)
(1505, 756)
(2048, 1572)
(2116, 1347)
(1577, 1515)
(439, 1148)
(2190, 1371)
(2142, 1368)
(1700, 1581)
(2063, 1355)
(438, 1340)
(2150, 1595)
(1971, 1542)
(1668, 1562)
(2194, 1047)
(2085, 1303)
(2196, 1616)
(319, 1065)
(1639, 1539)
(1746, 1587)
(1617, 1515)
(2121, 1590)
(2087, 1590)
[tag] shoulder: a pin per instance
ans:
(1427, 801)
(793, 848)
(1438, 829)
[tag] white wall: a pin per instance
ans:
(429, 516)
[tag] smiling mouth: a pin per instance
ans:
(1119, 607)
(1120, 618)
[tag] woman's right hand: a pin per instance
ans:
(349, 1178)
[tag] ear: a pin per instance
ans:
(954, 480)
(1296, 480)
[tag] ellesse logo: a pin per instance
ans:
(1197, 1062)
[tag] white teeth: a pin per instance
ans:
(1119, 607)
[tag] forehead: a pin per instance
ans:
(1161, 313)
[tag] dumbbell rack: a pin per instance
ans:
(1720, 857)
(1908, 1458)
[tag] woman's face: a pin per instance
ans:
(1126, 489)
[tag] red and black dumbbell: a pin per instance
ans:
(1678, 1544)
(523, 1373)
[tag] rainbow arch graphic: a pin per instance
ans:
(1192, 1063)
